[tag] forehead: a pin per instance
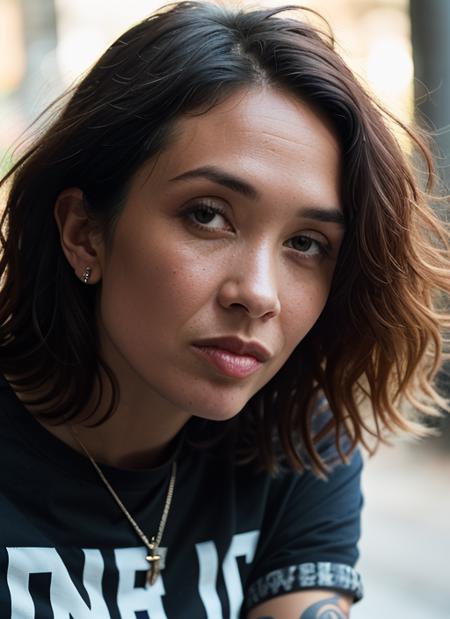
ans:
(263, 134)
(268, 117)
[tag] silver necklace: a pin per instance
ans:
(153, 558)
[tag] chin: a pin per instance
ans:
(218, 415)
(219, 409)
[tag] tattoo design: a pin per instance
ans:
(325, 609)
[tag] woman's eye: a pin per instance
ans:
(207, 217)
(307, 245)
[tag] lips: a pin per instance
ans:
(232, 356)
(237, 346)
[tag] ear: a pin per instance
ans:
(80, 241)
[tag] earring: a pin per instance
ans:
(86, 275)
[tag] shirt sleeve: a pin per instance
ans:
(310, 534)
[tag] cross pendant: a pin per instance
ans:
(153, 559)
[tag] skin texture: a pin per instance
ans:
(309, 604)
(325, 609)
(178, 272)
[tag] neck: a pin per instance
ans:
(127, 440)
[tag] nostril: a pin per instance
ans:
(269, 315)
(264, 315)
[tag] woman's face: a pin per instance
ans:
(223, 256)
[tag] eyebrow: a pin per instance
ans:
(221, 177)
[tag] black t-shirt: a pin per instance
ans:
(233, 538)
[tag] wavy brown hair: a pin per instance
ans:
(377, 345)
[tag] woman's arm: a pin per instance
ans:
(317, 604)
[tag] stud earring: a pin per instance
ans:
(86, 275)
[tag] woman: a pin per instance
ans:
(218, 227)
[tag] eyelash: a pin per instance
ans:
(323, 248)
(202, 206)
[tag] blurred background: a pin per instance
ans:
(401, 50)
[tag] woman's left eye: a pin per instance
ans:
(207, 217)
(308, 246)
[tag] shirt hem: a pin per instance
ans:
(302, 576)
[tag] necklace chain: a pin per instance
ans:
(155, 541)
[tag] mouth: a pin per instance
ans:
(232, 356)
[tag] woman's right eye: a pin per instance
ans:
(207, 217)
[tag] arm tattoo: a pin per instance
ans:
(325, 609)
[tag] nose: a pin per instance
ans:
(251, 284)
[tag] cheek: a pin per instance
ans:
(150, 289)
(302, 310)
